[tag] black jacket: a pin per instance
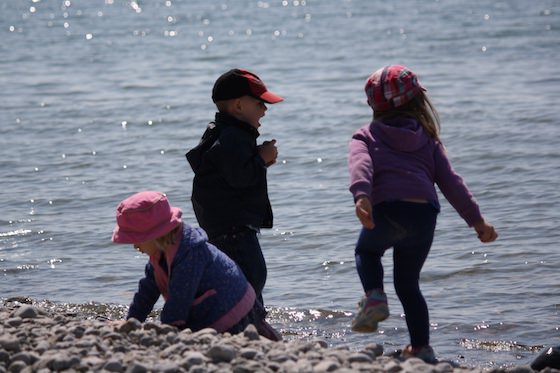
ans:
(229, 187)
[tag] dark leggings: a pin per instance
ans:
(244, 249)
(408, 228)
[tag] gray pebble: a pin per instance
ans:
(321, 343)
(416, 365)
(130, 325)
(444, 367)
(374, 348)
(198, 369)
(26, 312)
(205, 331)
(4, 356)
(137, 368)
(113, 366)
(249, 353)
(391, 366)
(16, 366)
(193, 358)
(303, 366)
(166, 367)
(221, 353)
(62, 361)
(251, 333)
(326, 366)
(9, 343)
(359, 358)
(14, 322)
(278, 356)
(27, 357)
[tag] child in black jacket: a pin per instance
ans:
(230, 194)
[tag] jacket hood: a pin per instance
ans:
(402, 134)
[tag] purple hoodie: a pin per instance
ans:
(396, 159)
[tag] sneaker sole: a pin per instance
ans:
(364, 328)
(371, 320)
(377, 314)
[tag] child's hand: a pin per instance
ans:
(268, 152)
(485, 231)
(363, 212)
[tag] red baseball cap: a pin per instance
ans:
(391, 86)
(237, 83)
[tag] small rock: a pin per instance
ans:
(278, 356)
(26, 312)
(205, 331)
(444, 367)
(62, 361)
(41, 347)
(27, 357)
(374, 348)
(166, 367)
(129, 325)
(303, 365)
(4, 356)
(113, 366)
(326, 366)
(251, 333)
(321, 343)
(9, 343)
(137, 368)
(193, 358)
(359, 358)
(17, 366)
(391, 366)
(248, 353)
(221, 353)
(14, 322)
(416, 365)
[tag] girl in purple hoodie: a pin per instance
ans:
(394, 163)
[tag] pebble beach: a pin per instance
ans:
(35, 339)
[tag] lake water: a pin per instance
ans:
(101, 99)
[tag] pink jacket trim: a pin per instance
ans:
(239, 311)
(207, 293)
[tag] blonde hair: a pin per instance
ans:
(419, 108)
(168, 239)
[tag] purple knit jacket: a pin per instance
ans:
(396, 159)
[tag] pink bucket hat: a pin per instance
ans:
(145, 216)
(391, 86)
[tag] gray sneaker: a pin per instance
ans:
(425, 353)
(371, 309)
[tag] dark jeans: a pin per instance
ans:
(244, 249)
(408, 228)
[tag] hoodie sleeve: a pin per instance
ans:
(146, 296)
(454, 189)
(360, 164)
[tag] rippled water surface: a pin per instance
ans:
(101, 99)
